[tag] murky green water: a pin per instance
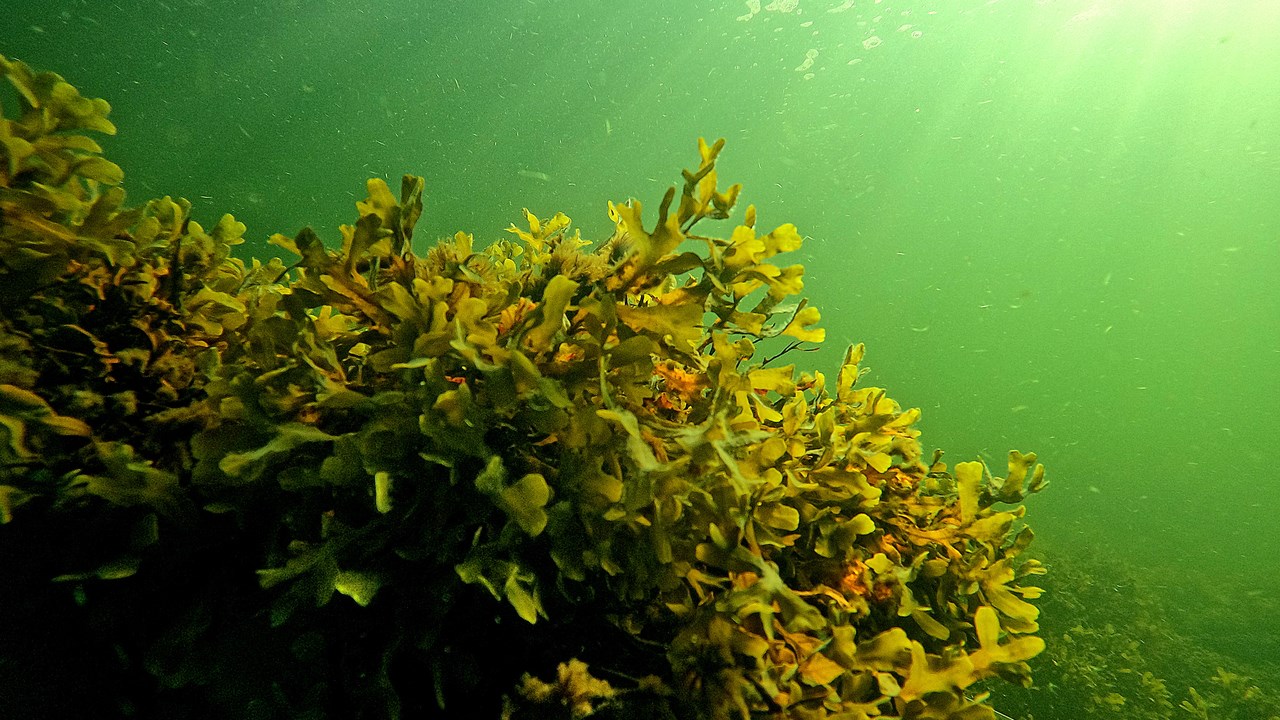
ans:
(1054, 223)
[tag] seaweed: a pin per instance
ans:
(543, 477)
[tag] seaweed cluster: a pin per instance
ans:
(542, 478)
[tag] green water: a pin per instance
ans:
(1054, 223)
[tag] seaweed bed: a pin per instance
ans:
(1124, 641)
